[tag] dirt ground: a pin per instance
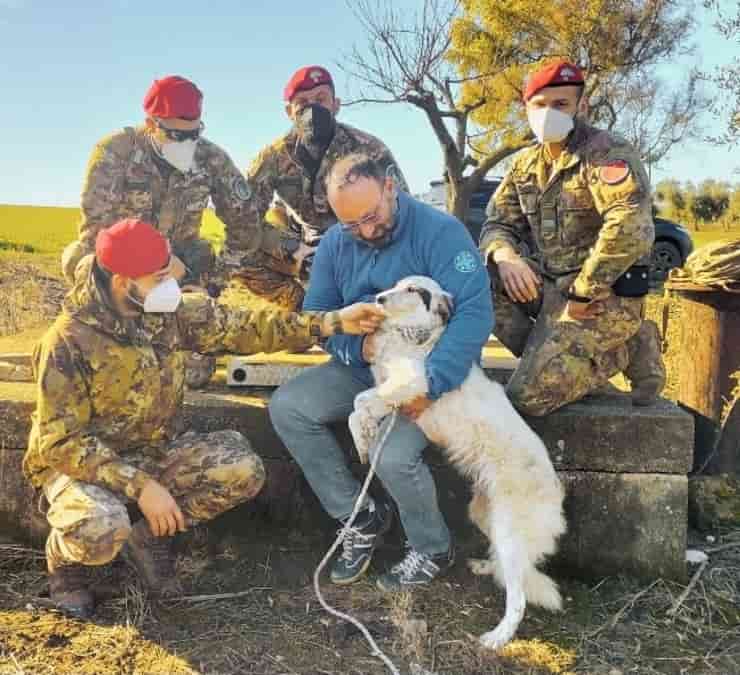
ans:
(274, 624)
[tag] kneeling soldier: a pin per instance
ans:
(567, 233)
(110, 375)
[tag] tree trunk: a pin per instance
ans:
(458, 197)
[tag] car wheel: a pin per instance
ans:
(665, 257)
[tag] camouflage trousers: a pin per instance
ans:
(562, 359)
(207, 474)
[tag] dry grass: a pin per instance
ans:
(29, 295)
(615, 625)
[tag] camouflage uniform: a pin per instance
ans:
(581, 221)
(284, 195)
(127, 179)
(106, 421)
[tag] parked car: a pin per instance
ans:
(672, 241)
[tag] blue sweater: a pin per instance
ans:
(425, 242)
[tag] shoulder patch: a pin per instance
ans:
(241, 188)
(466, 262)
(614, 172)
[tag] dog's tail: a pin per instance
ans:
(542, 590)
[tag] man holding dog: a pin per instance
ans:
(288, 189)
(567, 238)
(107, 431)
(383, 235)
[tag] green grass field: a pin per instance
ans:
(43, 232)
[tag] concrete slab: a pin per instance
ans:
(600, 434)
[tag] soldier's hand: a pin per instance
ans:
(583, 310)
(357, 319)
(302, 254)
(160, 510)
(520, 281)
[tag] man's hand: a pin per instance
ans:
(414, 408)
(357, 319)
(581, 311)
(160, 510)
(521, 282)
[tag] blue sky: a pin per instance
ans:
(75, 71)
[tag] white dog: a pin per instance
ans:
(518, 497)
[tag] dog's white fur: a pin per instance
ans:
(518, 497)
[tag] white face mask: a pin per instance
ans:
(181, 154)
(164, 298)
(549, 125)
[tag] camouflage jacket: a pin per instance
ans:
(283, 194)
(126, 179)
(109, 388)
(589, 211)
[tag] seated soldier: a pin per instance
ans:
(566, 232)
(110, 375)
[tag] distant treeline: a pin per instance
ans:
(710, 203)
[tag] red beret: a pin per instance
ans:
(556, 74)
(305, 78)
(132, 248)
(173, 96)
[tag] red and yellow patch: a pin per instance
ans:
(614, 172)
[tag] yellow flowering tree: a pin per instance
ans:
(463, 63)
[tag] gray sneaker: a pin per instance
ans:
(416, 569)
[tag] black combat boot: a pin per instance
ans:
(69, 590)
(153, 559)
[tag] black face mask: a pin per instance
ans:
(315, 125)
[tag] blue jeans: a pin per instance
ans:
(301, 411)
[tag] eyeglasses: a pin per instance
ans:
(180, 134)
(368, 218)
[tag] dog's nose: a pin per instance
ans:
(380, 299)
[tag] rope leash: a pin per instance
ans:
(376, 651)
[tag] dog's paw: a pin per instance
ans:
(364, 432)
(480, 566)
(497, 638)
(364, 427)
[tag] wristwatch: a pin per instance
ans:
(314, 325)
(336, 323)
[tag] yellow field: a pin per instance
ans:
(47, 230)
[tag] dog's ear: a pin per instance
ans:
(445, 304)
